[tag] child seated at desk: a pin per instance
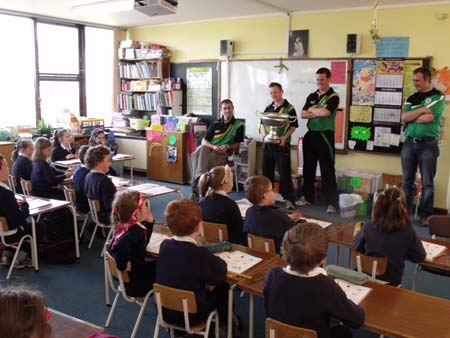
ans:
(264, 218)
(15, 215)
(62, 149)
(24, 313)
(216, 205)
(184, 265)
(79, 175)
(302, 294)
(390, 234)
(98, 136)
(134, 226)
(22, 166)
(97, 185)
(44, 178)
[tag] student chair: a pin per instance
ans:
(26, 187)
(6, 232)
(373, 266)
(182, 301)
(262, 244)
(122, 276)
(71, 197)
(94, 207)
(12, 182)
(276, 329)
(214, 232)
(439, 226)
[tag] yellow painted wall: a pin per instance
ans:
(327, 34)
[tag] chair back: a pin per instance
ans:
(276, 329)
(390, 181)
(122, 276)
(215, 232)
(439, 225)
(26, 187)
(373, 266)
(94, 207)
(12, 182)
(261, 244)
(4, 227)
(70, 195)
(174, 299)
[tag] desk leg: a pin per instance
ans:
(230, 312)
(75, 230)
(338, 250)
(131, 170)
(34, 244)
(251, 315)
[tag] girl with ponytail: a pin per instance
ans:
(22, 166)
(390, 234)
(134, 225)
(216, 206)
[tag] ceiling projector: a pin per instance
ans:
(156, 7)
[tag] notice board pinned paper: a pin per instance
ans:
(393, 47)
(361, 114)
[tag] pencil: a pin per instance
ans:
(241, 275)
(440, 255)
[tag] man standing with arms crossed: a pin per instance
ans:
(280, 154)
(422, 113)
(318, 143)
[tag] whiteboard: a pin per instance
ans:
(246, 84)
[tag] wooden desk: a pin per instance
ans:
(53, 205)
(124, 158)
(344, 237)
(392, 311)
(65, 326)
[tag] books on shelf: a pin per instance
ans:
(356, 293)
(166, 99)
(433, 250)
(140, 85)
(140, 70)
(144, 101)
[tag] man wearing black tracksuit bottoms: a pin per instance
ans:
(318, 143)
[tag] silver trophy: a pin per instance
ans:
(273, 121)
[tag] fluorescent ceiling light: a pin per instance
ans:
(102, 7)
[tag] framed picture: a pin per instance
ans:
(298, 43)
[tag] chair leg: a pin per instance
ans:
(416, 210)
(138, 320)
(86, 218)
(107, 297)
(217, 326)
(11, 267)
(156, 331)
(416, 274)
(172, 333)
(108, 237)
(113, 308)
(93, 236)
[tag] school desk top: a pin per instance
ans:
(65, 326)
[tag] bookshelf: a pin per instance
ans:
(245, 162)
(171, 102)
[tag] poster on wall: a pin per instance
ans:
(199, 90)
(298, 43)
(363, 83)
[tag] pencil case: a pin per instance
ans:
(349, 275)
(218, 247)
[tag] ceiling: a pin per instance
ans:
(191, 10)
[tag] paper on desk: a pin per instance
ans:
(356, 293)
(433, 250)
(121, 157)
(144, 186)
(159, 190)
(323, 224)
(35, 203)
(238, 261)
(155, 242)
(69, 162)
(243, 205)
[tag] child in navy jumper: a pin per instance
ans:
(98, 136)
(184, 265)
(390, 234)
(62, 149)
(97, 185)
(134, 226)
(44, 178)
(264, 218)
(79, 175)
(302, 294)
(22, 166)
(216, 206)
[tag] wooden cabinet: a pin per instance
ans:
(6, 149)
(166, 160)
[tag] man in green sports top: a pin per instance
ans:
(223, 137)
(422, 113)
(318, 143)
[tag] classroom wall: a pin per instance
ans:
(266, 37)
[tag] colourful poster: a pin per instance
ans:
(441, 81)
(199, 90)
(393, 47)
(408, 87)
(363, 82)
(361, 114)
(390, 67)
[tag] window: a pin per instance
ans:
(99, 73)
(17, 69)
